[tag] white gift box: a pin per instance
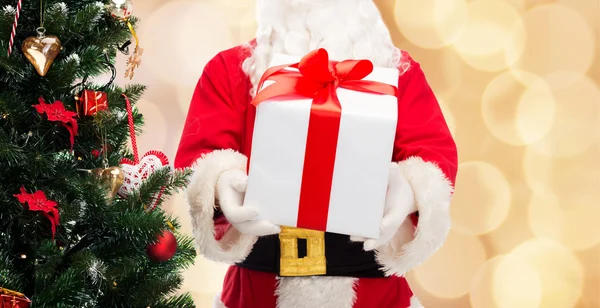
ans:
(362, 160)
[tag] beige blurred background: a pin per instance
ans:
(518, 81)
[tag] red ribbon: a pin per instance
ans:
(318, 78)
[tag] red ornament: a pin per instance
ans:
(89, 102)
(56, 112)
(97, 153)
(12, 299)
(164, 248)
(38, 202)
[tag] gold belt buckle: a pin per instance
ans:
(313, 264)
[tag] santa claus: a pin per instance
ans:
(360, 273)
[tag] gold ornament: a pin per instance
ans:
(134, 62)
(41, 51)
(112, 177)
(122, 10)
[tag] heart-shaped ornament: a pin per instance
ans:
(41, 51)
(135, 174)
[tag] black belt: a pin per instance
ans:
(342, 257)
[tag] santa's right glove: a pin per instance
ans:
(231, 188)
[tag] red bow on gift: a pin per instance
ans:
(38, 202)
(318, 78)
(56, 112)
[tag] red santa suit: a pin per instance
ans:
(216, 138)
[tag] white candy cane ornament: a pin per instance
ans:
(13, 32)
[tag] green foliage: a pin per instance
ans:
(98, 256)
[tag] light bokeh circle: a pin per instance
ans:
(519, 5)
(518, 107)
(558, 40)
(431, 23)
(494, 28)
(508, 278)
(564, 205)
(236, 4)
(203, 29)
(586, 8)
(560, 271)
(458, 272)
(482, 200)
(516, 284)
(576, 124)
(448, 79)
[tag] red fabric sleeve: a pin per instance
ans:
(216, 116)
(213, 121)
(422, 130)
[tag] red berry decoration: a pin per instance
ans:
(164, 248)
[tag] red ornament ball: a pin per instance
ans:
(164, 248)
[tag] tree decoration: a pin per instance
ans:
(89, 102)
(77, 259)
(13, 31)
(38, 202)
(41, 50)
(164, 248)
(112, 178)
(56, 112)
(13, 299)
(122, 10)
(138, 170)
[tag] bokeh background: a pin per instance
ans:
(518, 81)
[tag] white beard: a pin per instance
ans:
(347, 29)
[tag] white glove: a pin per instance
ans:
(231, 188)
(399, 204)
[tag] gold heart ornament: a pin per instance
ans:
(41, 51)
(113, 178)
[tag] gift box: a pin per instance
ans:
(89, 102)
(12, 299)
(322, 144)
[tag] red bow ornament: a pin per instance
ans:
(56, 112)
(318, 78)
(38, 202)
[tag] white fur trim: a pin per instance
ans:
(414, 303)
(217, 303)
(233, 247)
(312, 292)
(433, 193)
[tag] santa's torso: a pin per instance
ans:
(353, 278)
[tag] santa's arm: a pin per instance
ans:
(427, 158)
(210, 144)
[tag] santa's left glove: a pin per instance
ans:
(399, 205)
(231, 188)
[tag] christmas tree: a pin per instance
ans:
(80, 217)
